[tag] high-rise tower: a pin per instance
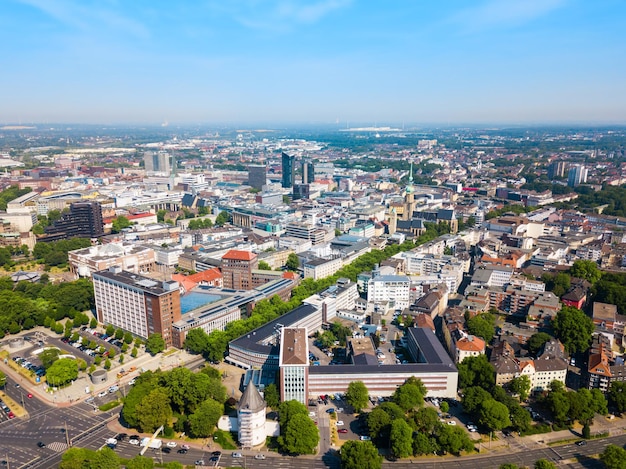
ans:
(288, 170)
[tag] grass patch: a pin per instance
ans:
(109, 405)
(170, 352)
(224, 439)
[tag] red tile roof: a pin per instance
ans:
(234, 254)
(206, 276)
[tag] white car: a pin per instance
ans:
(134, 442)
(102, 393)
(259, 456)
(171, 444)
(451, 422)
(365, 438)
(339, 423)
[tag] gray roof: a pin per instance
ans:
(251, 400)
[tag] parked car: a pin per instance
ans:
(342, 430)
(364, 438)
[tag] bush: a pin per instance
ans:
(224, 439)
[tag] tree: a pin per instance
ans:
(536, 341)
(293, 262)
(3, 379)
(155, 344)
(222, 218)
(357, 395)
(573, 328)
(544, 464)
(425, 420)
(445, 407)
(128, 338)
(410, 395)
(326, 339)
(587, 270)
(494, 415)
(203, 421)
(614, 457)
(197, 341)
(264, 266)
(300, 436)
(288, 409)
(378, 422)
(119, 333)
(476, 371)
(482, 325)
(110, 330)
(424, 444)
(272, 399)
(119, 224)
(508, 466)
(48, 357)
(153, 410)
(401, 439)
(520, 419)
(521, 386)
(62, 371)
(360, 455)
(617, 395)
(140, 462)
(453, 439)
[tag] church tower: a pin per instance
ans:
(409, 198)
(393, 221)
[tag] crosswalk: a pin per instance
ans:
(57, 446)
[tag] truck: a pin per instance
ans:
(151, 443)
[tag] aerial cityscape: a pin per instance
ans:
(317, 233)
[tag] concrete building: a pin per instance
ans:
(467, 346)
(157, 162)
(137, 304)
(389, 287)
(294, 364)
(237, 269)
(129, 257)
(257, 176)
(577, 175)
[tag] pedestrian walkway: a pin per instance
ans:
(57, 446)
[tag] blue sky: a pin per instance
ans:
(313, 61)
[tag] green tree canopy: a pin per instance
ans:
(264, 266)
(536, 341)
(288, 409)
(3, 379)
(476, 371)
(378, 423)
(155, 344)
(357, 395)
(203, 421)
(119, 224)
(587, 270)
(454, 439)
(62, 372)
(197, 341)
(614, 457)
(401, 439)
(300, 435)
(544, 464)
(140, 462)
(154, 410)
(360, 455)
(573, 328)
(293, 262)
(617, 395)
(410, 395)
(521, 386)
(493, 415)
(482, 325)
(271, 396)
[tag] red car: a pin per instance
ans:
(29, 395)
(342, 430)
(11, 415)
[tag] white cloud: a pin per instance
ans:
(503, 13)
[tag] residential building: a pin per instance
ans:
(389, 287)
(467, 346)
(83, 221)
(257, 176)
(130, 257)
(237, 269)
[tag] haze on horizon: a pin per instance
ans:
(313, 61)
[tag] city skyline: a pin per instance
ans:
(313, 62)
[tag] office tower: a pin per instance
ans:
(137, 304)
(237, 267)
(83, 221)
(308, 173)
(288, 170)
(577, 175)
(157, 162)
(294, 364)
(557, 169)
(257, 176)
